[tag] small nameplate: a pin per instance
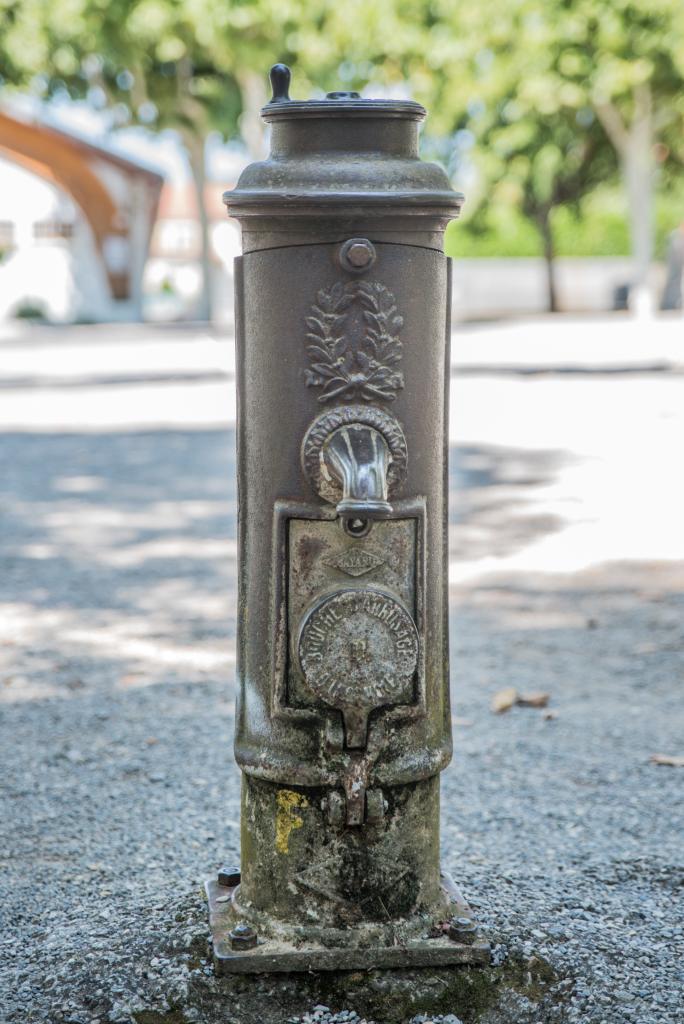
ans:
(355, 561)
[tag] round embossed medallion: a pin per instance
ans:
(359, 648)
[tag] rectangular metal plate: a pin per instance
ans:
(271, 956)
(323, 558)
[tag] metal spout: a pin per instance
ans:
(357, 457)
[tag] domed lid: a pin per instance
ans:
(342, 152)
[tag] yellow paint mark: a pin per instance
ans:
(287, 818)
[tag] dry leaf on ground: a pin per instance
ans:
(504, 700)
(673, 760)
(533, 700)
(130, 679)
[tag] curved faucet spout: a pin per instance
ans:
(357, 456)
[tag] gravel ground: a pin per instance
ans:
(117, 614)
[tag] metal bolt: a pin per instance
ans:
(375, 806)
(336, 807)
(242, 936)
(462, 929)
(357, 254)
(229, 876)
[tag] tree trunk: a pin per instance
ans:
(638, 170)
(544, 225)
(254, 96)
(196, 155)
(634, 146)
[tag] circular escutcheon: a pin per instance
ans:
(358, 647)
(325, 425)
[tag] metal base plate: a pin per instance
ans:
(275, 955)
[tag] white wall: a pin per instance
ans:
(63, 277)
(496, 287)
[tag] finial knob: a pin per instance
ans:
(280, 83)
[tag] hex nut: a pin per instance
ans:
(242, 937)
(337, 808)
(375, 806)
(229, 876)
(357, 255)
(462, 929)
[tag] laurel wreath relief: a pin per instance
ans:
(366, 369)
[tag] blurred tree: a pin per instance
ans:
(548, 164)
(541, 75)
(628, 56)
(191, 65)
(147, 60)
(542, 88)
(195, 65)
(537, 163)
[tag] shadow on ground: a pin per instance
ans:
(120, 794)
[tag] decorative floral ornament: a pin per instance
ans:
(346, 366)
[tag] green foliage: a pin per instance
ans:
(533, 107)
(190, 63)
(497, 234)
(563, 97)
(598, 227)
(148, 59)
(31, 309)
(534, 72)
(605, 234)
